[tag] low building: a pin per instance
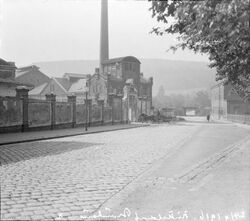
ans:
(8, 83)
(168, 112)
(31, 74)
(225, 101)
(69, 84)
(190, 111)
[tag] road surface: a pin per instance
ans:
(73, 177)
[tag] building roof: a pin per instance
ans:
(27, 69)
(79, 86)
(13, 82)
(38, 90)
(74, 75)
(64, 82)
(120, 59)
(3, 62)
(7, 64)
(168, 109)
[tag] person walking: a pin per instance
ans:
(208, 117)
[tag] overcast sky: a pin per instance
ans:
(49, 30)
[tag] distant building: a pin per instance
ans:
(168, 112)
(8, 83)
(190, 111)
(117, 73)
(31, 74)
(225, 101)
(119, 79)
(69, 84)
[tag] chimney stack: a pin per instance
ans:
(104, 37)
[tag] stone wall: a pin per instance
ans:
(22, 113)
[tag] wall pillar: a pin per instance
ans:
(52, 99)
(23, 94)
(72, 101)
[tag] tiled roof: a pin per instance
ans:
(20, 73)
(78, 86)
(64, 82)
(38, 90)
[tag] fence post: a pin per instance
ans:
(22, 93)
(72, 101)
(101, 104)
(52, 99)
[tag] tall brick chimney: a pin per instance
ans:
(104, 36)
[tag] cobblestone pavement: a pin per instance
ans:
(40, 180)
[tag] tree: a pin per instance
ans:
(219, 28)
(202, 99)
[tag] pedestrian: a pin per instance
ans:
(208, 117)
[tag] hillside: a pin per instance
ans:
(175, 76)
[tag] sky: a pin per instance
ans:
(51, 30)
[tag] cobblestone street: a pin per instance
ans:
(40, 180)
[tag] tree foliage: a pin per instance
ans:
(199, 99)
(219, 28)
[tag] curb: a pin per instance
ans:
(71, 135)
(242, 125)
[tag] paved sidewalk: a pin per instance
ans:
(213, 188)
(12, 138)
(242, 125)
